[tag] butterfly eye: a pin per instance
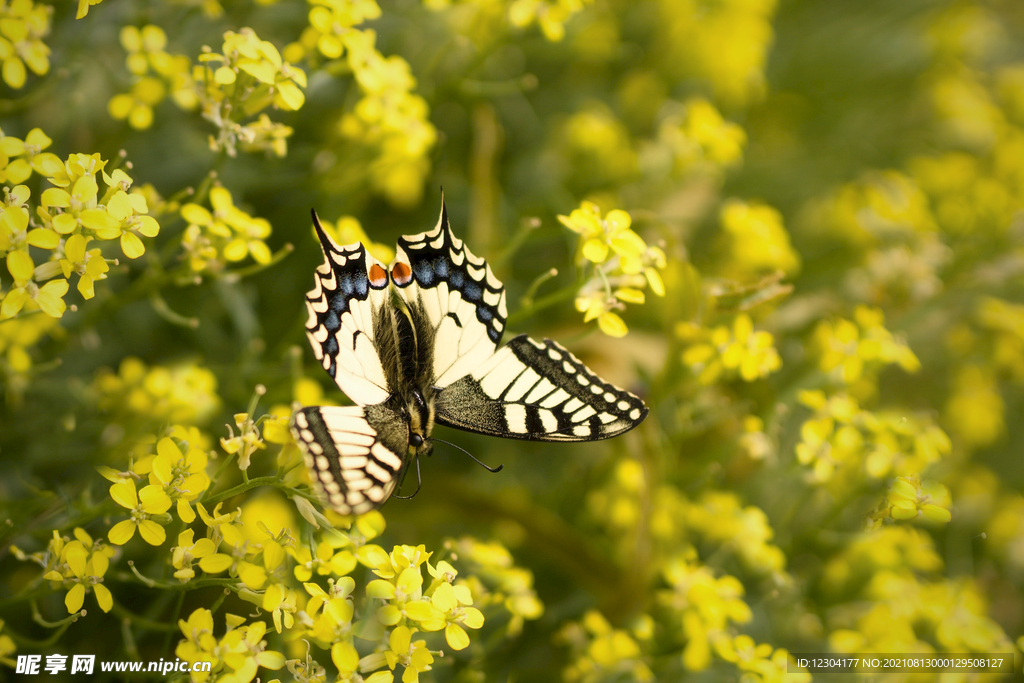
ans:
(416, 440)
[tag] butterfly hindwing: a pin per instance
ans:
(538, 391)
(453, 297)
(349, 291)
(355, 454)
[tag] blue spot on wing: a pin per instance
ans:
(424, 273)
(472, 292)
(361, 285)
(332, 321)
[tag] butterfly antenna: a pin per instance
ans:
(419, 482)
(489, 469)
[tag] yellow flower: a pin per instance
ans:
(81, 563)
(327, 561)
(453, 603)
(199, 644)
(282, 602)
(246, 443)
(182, 475)
(228, 234)
(89, 265)
(186, 552)
(48, 298)
(413, 655)
(150, 501)
(910, 498)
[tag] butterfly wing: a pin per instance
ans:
(540, 392)
(355, 454)
(456, 303)
(345, 313)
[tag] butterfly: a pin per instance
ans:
(416, 344)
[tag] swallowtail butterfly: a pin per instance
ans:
(415, 344)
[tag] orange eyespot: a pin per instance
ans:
(401, 273)
(378, 276)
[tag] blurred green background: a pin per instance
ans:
(825, 320)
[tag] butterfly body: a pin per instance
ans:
(415, 344)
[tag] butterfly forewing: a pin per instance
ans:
(353, 453)
(453, 296)
(541, 392)
(350, 287)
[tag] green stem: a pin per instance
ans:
(531, 291)
(242, 488)
(165, 312)
(38, 618)
(219, 601)
(31, 643)
(194, 584)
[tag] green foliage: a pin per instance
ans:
(794, 229)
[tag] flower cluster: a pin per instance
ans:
(841, 434)
(256, 547)
(235, 657)
(755, 240)
(242, 80)
(155, 72)
(600, 651)
(77, 565)
(598, 147)
(389, 119)
(851, 350)
(696, 138)
(988, 351)
(23, 25)
(705, 604)
(184, 393)
(329, 22)
(717, 520)
(724, 353)
(70, 216)
(898, 599)
(760, 663)
(724, 44)
(621, 264)
(496, 581)
(214, 239)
